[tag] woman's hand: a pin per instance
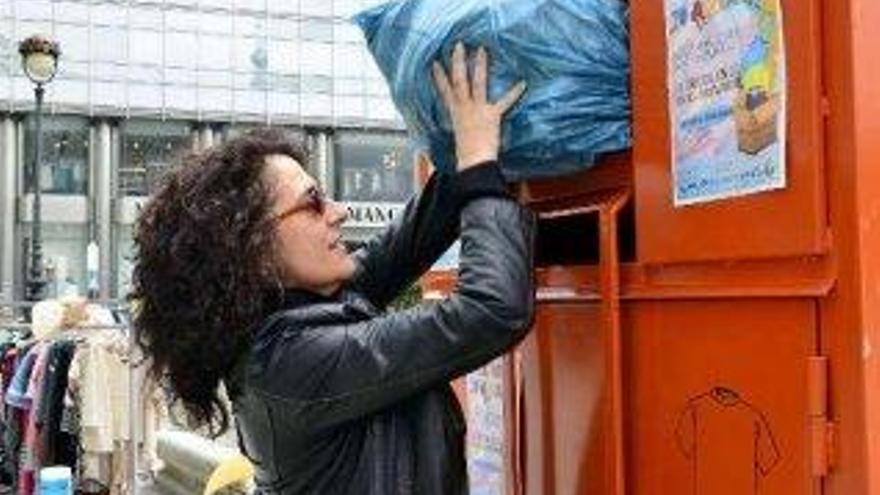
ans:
(476, 121)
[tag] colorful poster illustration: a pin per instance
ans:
(727, 90)
(485, 436)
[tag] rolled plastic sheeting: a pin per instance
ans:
(199, 465)
(170, 485)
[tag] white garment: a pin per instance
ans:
(104, 393)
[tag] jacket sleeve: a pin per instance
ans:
(334, 373)
(396, 258)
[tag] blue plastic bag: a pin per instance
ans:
(573, 54)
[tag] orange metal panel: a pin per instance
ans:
(865, 15)
(799, 277)
(604, 470)
(719, 398)
(613, 171)
(679, 356)
(565, 420)
(850, 316)
(781, 223)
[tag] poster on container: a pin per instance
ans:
(485, 436)
(727, 92)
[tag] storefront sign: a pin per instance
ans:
(727, 91)
(361, 214)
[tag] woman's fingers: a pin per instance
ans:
(510, 98)
(481, 76)
(459, 89)
(460, 84)
(476, 122)
(442, 83)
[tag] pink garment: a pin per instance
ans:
(29, 449)
(27, 484)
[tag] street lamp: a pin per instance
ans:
(39, 58)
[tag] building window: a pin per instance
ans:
(373, 167)
(148, 148)
(64, 252)
(64, 165)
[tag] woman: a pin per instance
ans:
(242, 278)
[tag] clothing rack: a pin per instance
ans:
(119, 309)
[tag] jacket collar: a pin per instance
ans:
(294, 298)
(298, 298)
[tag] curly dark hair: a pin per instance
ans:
(205, 269)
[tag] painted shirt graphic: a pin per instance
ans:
(728, 443)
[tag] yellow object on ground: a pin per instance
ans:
(235, 471)
(196, 465)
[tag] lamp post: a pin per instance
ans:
(39, 59)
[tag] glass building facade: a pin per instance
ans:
(147, 147)
(373, 167)
(273, 61)
(142, 81)
(65, 154)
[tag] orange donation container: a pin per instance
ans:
(730, 347)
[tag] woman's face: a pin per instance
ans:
(308, 229)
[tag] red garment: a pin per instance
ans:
(29, 448)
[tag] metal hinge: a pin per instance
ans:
(822, 429)
(825, 106)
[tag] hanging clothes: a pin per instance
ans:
(59, 448)
(28, 463)
(66, 399)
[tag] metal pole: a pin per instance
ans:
(36, 279)
(134, 409)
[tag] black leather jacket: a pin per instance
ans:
(337, 397)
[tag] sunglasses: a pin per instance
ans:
(315, 202)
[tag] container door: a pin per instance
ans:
(719, 397)
(786, 222)
(716, 399)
